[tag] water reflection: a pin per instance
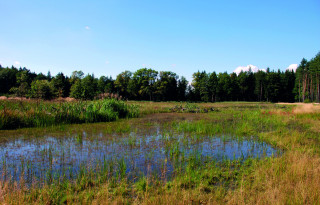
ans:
(160, 155)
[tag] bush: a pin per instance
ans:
(42, 89)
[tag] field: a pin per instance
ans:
(162, 153)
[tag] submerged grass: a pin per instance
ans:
(292, 178)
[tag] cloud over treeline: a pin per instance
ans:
(247, 68)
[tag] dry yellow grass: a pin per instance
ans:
(301, 108)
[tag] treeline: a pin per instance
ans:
(308, 80)
(148, 84)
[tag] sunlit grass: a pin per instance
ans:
(292, 178)
(17, 114)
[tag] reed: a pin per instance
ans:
(18, 114)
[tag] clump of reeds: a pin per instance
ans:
(16, 114)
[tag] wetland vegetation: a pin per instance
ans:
(159, 102)
(239, 153)
(20, 113)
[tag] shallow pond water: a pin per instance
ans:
(157, 153)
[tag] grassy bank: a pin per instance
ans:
(17, 114)
(292, 178)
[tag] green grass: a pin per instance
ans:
(18, 114)
(293, 178)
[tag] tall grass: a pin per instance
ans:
(18, 114)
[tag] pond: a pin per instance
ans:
(151, 151)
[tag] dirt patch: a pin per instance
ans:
(304, 107)
(18, 98)
(67, 99)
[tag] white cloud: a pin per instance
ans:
(292, 67)
(247, 68)
(16, 63)
(87, 27)
(173, 65)
(107, 62)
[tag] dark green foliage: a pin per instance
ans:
(307, 87)
(246, 85)
(105, 85)
(41, 76)
(61, 85)
(224, 85)
(42, 89)
(288, 82)
(182, 89)
(260, 86)
(76, 90)
(273, 86)
(7, 79)
(148, 84)
(89, 87)
(85, 88)
(122, 83)
(144, 83)
(166, 87)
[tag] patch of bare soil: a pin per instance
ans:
(67, 99)
(304, 107)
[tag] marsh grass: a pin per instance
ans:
(292, 178)
(18, 114)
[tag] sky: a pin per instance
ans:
(108, 37)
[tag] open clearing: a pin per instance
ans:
(206, 153)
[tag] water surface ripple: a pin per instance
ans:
(160, 155)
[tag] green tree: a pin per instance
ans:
(246, 85)
(61, 85)
(105, 84)
(89, 87)
(212, 86)
(287, 86)
(122, 83)
(8, 79)
(260, 85)
(76, 75)
(273, 89)
(49, 77)
(76, 89)
(42, 89)
(234, 87)
(144, 80)
(182, 88)
(315, 72)
(40, 76)
(224, 85)
(303, 79)
(200, 84)
(23, 78)
(166, 86)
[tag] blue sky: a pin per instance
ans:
(108, 37)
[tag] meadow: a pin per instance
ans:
(169, 153)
